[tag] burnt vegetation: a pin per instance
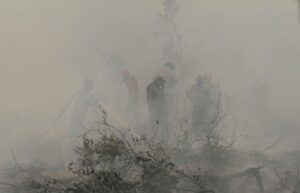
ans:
(113, 161)
(201, 160)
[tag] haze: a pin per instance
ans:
(47, 49)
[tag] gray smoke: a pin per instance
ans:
(48, 48)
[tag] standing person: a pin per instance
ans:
(158, 109)
(85, 99)
(204, 102)
(168, 73)
(133, 93)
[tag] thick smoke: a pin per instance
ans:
(48, 48)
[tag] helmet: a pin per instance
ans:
(160, 80)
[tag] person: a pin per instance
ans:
(204, 99)
(133, 93)
(158, 108)
(83, 101)
(169, 74)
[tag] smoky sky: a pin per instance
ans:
(47, 48)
